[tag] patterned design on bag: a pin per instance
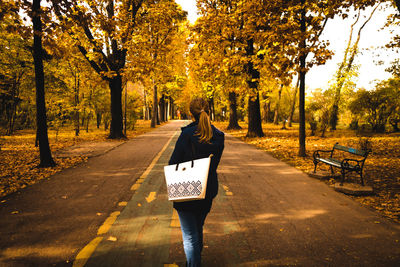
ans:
(184, 189)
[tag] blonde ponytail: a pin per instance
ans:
(200, 109)
(204, 129)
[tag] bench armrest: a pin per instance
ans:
(317, 155)
(346, 163)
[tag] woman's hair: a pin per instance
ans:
(200, 110)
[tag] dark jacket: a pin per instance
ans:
(183, 153)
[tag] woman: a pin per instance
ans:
(204, 139)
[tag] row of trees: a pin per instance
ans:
(81, 48)
(245, 58)
(254, 50)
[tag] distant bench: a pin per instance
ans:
(346, 165)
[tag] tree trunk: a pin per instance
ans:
(293, 106)
(334, 118)
(284, 125)
(276, 115)
(98, 119)
(83, 118)
(302, 77)
(125, 107)
(154, 117)
(254, 117)
(87, 122)
(172, 113)
(46, 160)
(162, 108)
(76, 105)
(116, 127)
(144, 105)
(211, 107)
(11, 115)
(89, 116)
(267, 111)
(16, 93)
(147, 112)
(158, 115)
(168, 106)
(84, 112)
(233, 118)
(254, 114)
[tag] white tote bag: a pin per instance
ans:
(188, 180)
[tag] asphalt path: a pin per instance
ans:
(48, 223)
(113, 211)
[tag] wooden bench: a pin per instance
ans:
(346, 165)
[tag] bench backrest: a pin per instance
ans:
(354, 151)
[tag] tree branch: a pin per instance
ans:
(134, 9)
(91, 62)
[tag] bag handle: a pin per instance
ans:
(192, 152)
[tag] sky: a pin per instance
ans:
(337, 32)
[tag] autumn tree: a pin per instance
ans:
(376, 106)
(46, 160)
(11, 10)
(103, 32)
(225, 36)
(158, 27)
(345, 67)
(16, 65)
(317, 114)
(301, 24)
(290, 30)
(205, 62)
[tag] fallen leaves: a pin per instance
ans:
(19, 157)
(381, 171)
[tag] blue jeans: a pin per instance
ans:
(192, 234)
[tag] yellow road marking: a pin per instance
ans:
(151, 197)
(175, 220)
(140, 180)
(227, 192)
(86, 252)
(135, 187)
(107, 224)
(147, 171)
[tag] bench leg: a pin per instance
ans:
(362, 179)
(342, 180)
(315, 166)
(332, 172)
